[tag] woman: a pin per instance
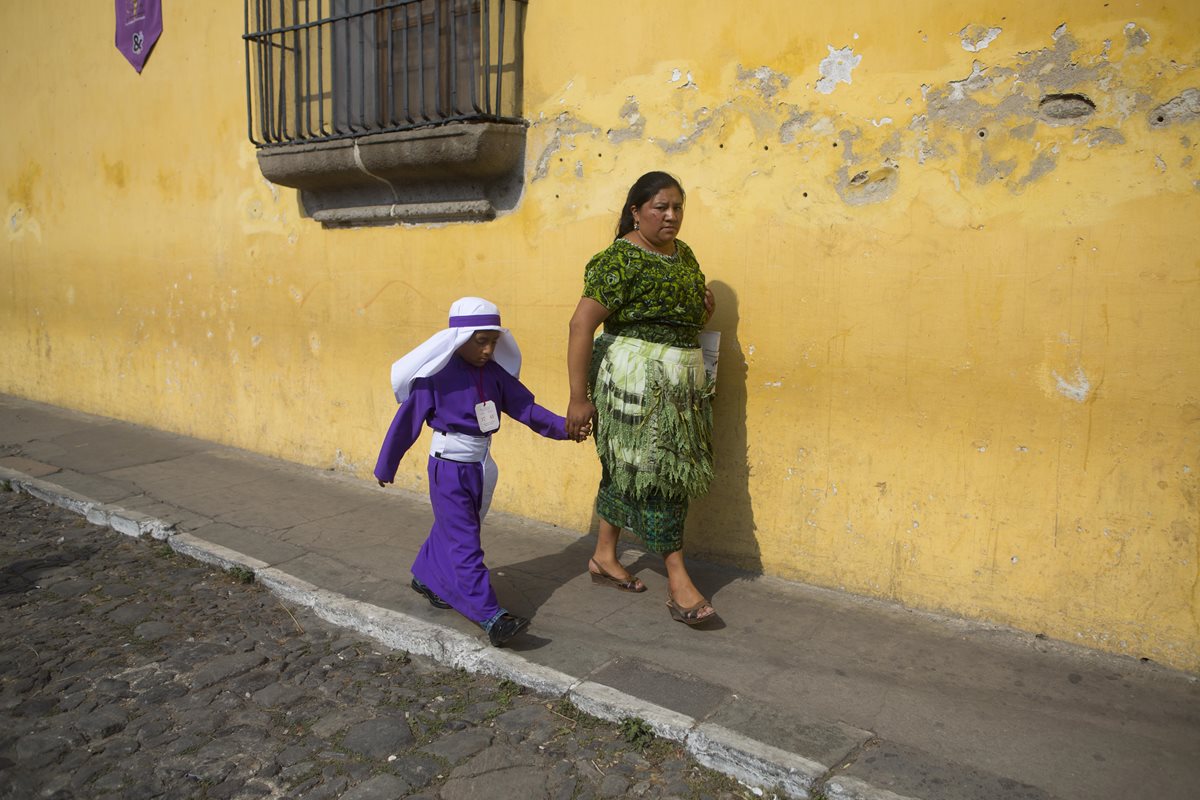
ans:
(644, 383)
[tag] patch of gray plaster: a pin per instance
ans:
(1078, 389)
(1105, 136)
(893, 147)
(1023, 132)
(685, 142)
(976, 37)
(868, 186)
(543, 163)
(564, 126)
(1135, 38)
(1056, 69)
(836, 68)
(793, 125)
(1184, 108)
(972, 83)
(994, 170)
(1043, 164)
(764, 80)
(848, 139)
(636, 123)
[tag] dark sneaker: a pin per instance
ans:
(428, 594)
(506, 628)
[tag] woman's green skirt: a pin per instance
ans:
(653, 434)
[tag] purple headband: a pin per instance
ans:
(475, 320)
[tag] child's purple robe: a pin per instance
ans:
(451, 560)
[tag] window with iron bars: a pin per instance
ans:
(320, 72)
(324, 69)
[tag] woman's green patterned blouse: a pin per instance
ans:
(649, 296)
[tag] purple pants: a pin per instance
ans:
(451, 560)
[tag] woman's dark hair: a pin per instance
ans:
(643, 189)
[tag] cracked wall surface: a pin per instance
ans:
(954, 252)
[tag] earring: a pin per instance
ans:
(636, 225)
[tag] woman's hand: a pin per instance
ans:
(580, 414)
(584, 322)
(710, 304)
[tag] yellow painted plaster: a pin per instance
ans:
(960, 347)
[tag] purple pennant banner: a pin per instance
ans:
(139, 24)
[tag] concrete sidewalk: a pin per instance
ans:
(810, 690)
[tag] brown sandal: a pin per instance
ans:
(691, 614)
(602, 578)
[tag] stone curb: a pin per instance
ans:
(121, 520)
(847, 788)
(747, 760)
(753, 762)
(614, 705)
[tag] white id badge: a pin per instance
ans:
(488, 417)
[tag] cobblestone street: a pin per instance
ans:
(130, 672)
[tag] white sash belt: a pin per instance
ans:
(472, 450)
(459, 447)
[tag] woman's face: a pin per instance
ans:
(660, 218)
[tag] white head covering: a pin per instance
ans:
(467, 315)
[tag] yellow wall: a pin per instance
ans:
(966, 380)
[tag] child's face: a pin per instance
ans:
(478, 350)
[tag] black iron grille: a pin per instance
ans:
(318, 70)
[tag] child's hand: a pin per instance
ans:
(584, 432)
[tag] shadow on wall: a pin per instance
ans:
(721, 524)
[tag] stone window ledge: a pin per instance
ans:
(461, 172)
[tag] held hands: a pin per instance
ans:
(580, 414)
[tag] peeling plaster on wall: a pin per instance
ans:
(1056, 69)
(836, 68)
(677, 75)
(1042, 165)
(1105, 136)
(1077, 390)
(1182, 109)
(994, 171)
(976, 37)
(1023, 132)
(685, 142)
(636, 123)
(793, 126)
(543, 162)
(764, 80)
(1136, 39)
(848, 138)
(972, 83)
(867, 186)
(893, 147)
(565, 127)
(1009, 102)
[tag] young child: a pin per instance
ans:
(457, 382)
